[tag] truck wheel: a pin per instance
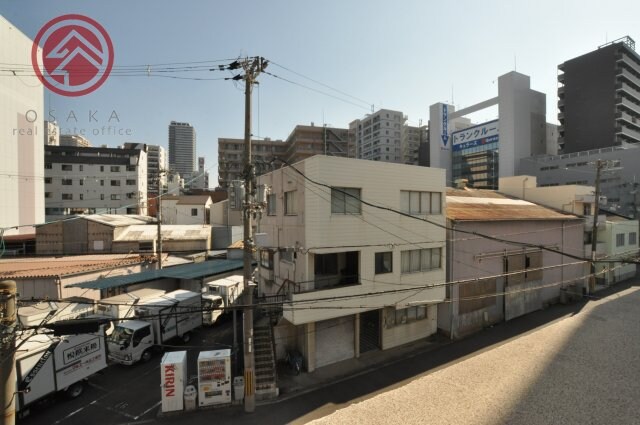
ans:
(186, 337)
(146, 356)
(74, 390)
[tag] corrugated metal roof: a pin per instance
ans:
(187, 271)
(188, 199)
(488, 205)
(169, 232)
(25, 268)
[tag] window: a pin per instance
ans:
(271, 204)
(405, 315)
(115, 182)
(48, 195)
(132, 210)
(286, 256)
(384, 262)
(145, 246)
(421, 260)
(345, 200)
(194, 212)
(115, 197)
(115, 168)
(102, 196)
(67, 182)
(266, 259)
(633, 239)
(81, 168)
(131, 195)
(101, 182)
(131, 168)
(529, 263)
(290, 203)
(326, 264)
(586, 209)
(67, 167)
(47, 166)
(47, 180)
(413, 202)
(102, 168)
(620, 239)
(81, 196)
(131, 182)
(67, 196)
(81, 182)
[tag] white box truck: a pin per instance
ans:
(53, 311)
(158, 320)
(219, 295)
(123, 306)
(47, 364)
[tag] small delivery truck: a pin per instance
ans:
(52, 311)
(173, 315)
(123, 306)
(219, 295)
(46, 364)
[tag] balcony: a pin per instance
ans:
(628, 61)
(561, 104)
(635, 107)
(561, 78)
(626, 88)
(331, 271)
(628, 133)
(626, 74)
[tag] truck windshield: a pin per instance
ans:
(120, 335)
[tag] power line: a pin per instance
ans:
(482, 235)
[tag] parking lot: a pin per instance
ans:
(123, 394)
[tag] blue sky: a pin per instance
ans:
(403, 55)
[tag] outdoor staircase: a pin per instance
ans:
(265, 363)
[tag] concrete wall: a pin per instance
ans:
(403, 333)
(314, 228)
(476, 257)
(616, 272)
(22, 129)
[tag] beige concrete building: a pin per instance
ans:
(303, 142)
(500, 281)
(620, 237)
(355, 278)
(186, 209)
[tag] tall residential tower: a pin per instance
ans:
(182, 148)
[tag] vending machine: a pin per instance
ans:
(214, 377)
(173, 374)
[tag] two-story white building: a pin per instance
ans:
(356, 278)
(186, 209)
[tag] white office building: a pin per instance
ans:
(95, 180)
(21, 132)
(484, 152)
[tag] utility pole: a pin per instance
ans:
(594, 232)
(159, 217)
(252, 68)
(7, 351)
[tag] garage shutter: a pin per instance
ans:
(334, 340)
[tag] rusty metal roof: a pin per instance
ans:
(489, 205)
(42, 267)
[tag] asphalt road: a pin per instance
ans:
(123, 394)
(128, 396)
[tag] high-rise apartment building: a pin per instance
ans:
(303, 142)
(21, 145)
(51, 133)
(156, 164)
(378, 136)
(182, 148)
(599, 98)
(75, 140)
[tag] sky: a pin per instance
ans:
(350, 56)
